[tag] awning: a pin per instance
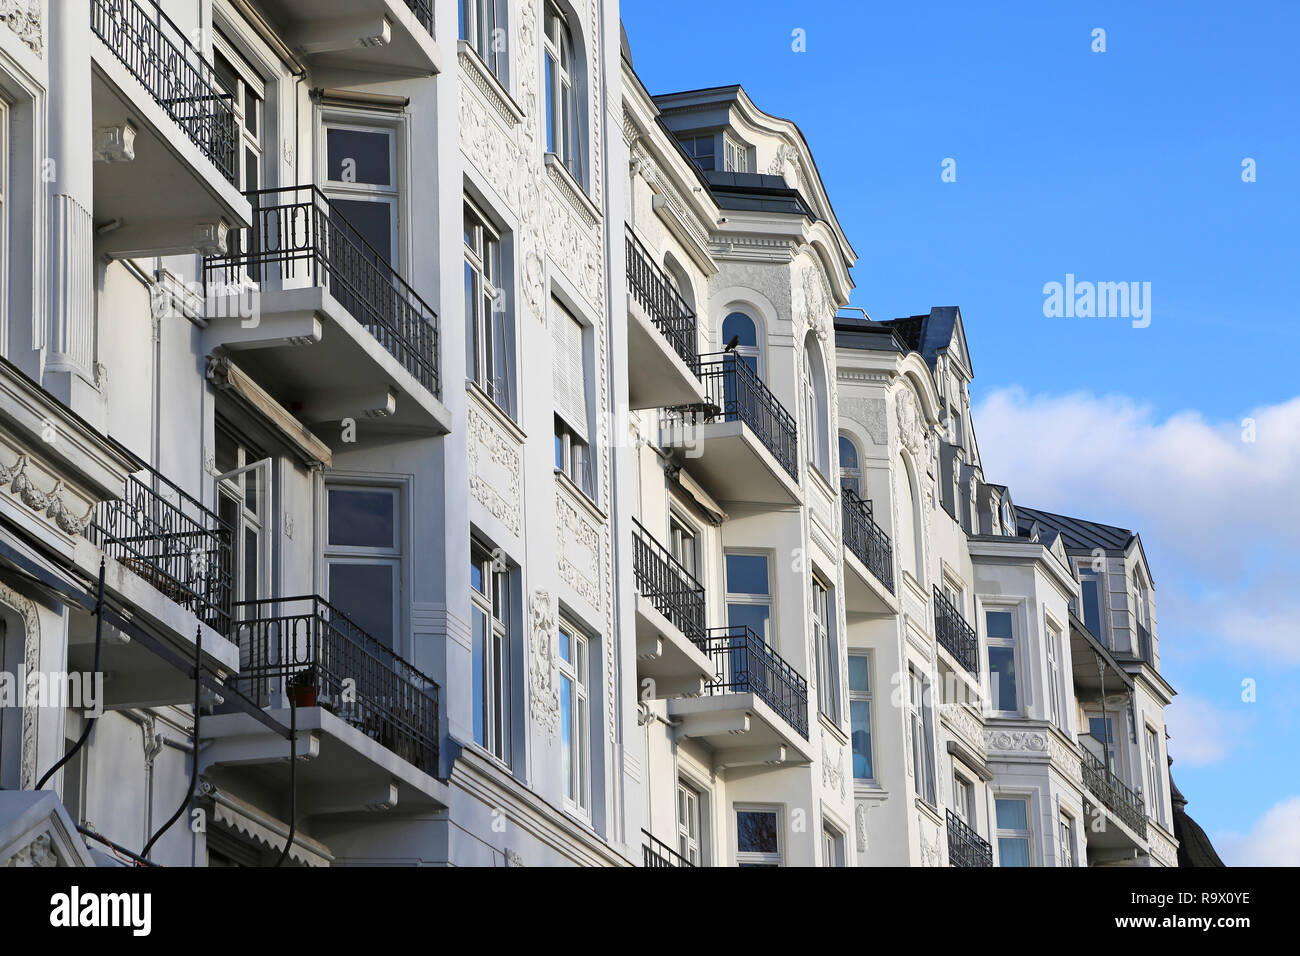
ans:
(248, 821)
(228, 377)
(712, 510)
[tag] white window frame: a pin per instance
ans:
(479, 25)
(6, 263)
(1053, 635)
(1065, 835)
(832, 845)
(493, 602)
(564, 119)
(391, 557)
(744, 597)
(922, 728)
(867, 696)
(391, 195)
(742, 352)
(827, 656)
(690, 822)
(684, 542)
(852, 477)
(963, 796)
(569, 338)
(1155, 798)
(1000, 834)
(232, 486)
(577, 672)
(1012, 642)
(248, 82)
(752, 857)
(488, 332)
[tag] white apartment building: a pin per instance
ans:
(419, 445)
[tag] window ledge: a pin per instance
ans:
(581, 497)
(835, 729)
(572, 190)
(489, 407)
(929, 811)
(488, 84)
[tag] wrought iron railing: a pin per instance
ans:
(865, 538)
(423, 11)
(965, 846)
(1114, 793)
(668, 586)
(652, 288)
(170, 540)
(157, 53)
(735, 393)
(656, 852)
(308, 648)
(298, 232)
(955, 634)
(746, 665)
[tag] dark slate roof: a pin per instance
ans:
(756, 192)
(928, 334)
(1077, 534)
(854, 333)
(624, 47)
(1194, 847)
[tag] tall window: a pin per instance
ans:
(1090, 588)
(1155, 779)
(244, 504)
(4, 226)
(1004, 682)
(922, 736)
(363, 558)
(688, 823)
(963, 798)
(744, 331)
(1015, 839)
(828, 690)
(478, 28)
(749, 598)
(910, 548)
(1100, 740)
(816, 409)
(683, 543)
(832, 846)
(247, 95)
(1055, 693)
(489, 333)
(575, 716)
(737, 157)
(758, 837)
(851, 467)
(361, 182)
(562, 114)
(490, 594)
(860, 716)
(572, 451)
(1066, 836)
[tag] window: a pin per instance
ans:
(489, 333)
(744, 331)
(575, 718)
(922, 736)
(361, 182)
(1155, 797)
(758, 837)
(955, 595)
(684, 545)
(247, 95)
(688, 823)
(1066, 836)
(860, 716)
(572, 452)
(1090, 586)
(828, 690)
(1008, 525)
(737, 156)
(1004, 689)
(479, 29)
(701, 149)
(816, 411)
(244, 504)
(490, 643)
(963, 798)
(363, 561)
(851, 467)
(910, 548)
(832, 846)
(749, 599)
(562, 114)
(1100, 740)
(1014, 837)
(1055, 694)
(4, 226)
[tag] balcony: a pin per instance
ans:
(321, 319)
(669, 620)
(956, 636)
(163, 127)
(655, 852)
(369, 718)
(740, 441)
(869, 556)
(755, 712)
(965, 846)
(392, 37)
(662, 344)
(1126, 806)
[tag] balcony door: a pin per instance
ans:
(243, 505)
(363, 558)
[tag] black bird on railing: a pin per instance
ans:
(731, 346)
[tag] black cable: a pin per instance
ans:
(293, 778)
(194, 772)
(89, 721)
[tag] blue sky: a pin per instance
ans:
(1117, 166)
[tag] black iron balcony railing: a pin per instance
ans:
(170, 540)
(423, 11)
(746, 665)
(668, 586)
(157, 53)
(1114, 793)
(736, 394)
(656, 852)
(298, 232)
(312, 648)
(955, 634)
(652, 288)
(865, 538)
(965, 846)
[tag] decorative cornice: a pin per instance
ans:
(481, 78)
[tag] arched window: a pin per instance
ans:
(851, 467)
(908, 539)
(816, 414)
(744, 330)
(563, 117)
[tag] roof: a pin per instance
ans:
(928, 334)
(855, 333)
(1194, 847)
(1078, 534)
(757, 192)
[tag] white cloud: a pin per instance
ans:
(1199, 732)
(1273, 840)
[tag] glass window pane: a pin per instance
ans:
(756, 832)
(373, 221)
(739, 324)
(1013, 852)
(747, 573)
(566, 734)
(752, 616)
(478, 654)
(565, 642)
(362, 519)
(1012, 815)
(859, 673)
(860, 730)
(1002, 677)
(358, 156)
(999, 624)
(364, 592)
(1092, 606)
(848, 454)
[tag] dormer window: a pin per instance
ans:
(702, 149)
(737, 155)
(1008, 526)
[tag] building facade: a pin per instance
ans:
(420, 445)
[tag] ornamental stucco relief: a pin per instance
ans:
(543, 668)
(494, 467)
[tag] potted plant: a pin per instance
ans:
(302, 687)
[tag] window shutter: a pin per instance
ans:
(570, 374)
